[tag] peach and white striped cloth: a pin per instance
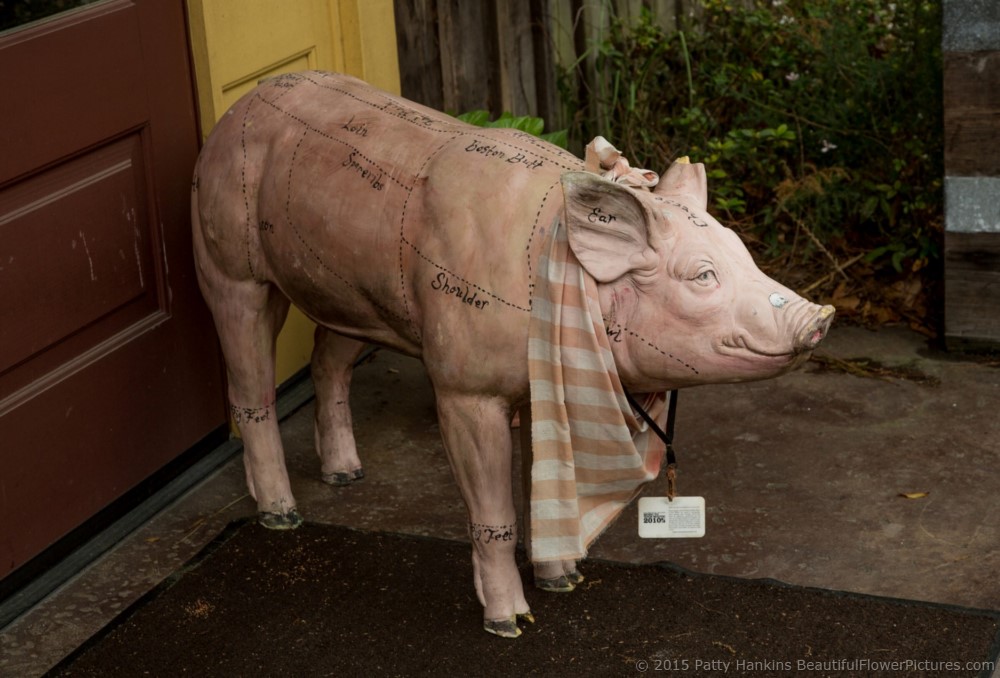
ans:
(592, 454)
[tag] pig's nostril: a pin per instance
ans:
(817, 329)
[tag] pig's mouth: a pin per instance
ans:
(805, 340)
(741, 344)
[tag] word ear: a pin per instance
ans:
(607, 227)
(683, 178)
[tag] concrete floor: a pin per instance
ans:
(802, 478)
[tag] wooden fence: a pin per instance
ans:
(504, 55)
(971, 48)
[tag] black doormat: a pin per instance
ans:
(325, 601)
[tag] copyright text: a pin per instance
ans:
(807, 665)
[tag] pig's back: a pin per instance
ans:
(358, 202)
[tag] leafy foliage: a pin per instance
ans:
(820, 125)
(523, 123)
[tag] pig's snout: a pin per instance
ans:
(815, 329)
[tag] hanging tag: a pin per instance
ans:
(660, 518)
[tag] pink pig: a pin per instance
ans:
(390, 223)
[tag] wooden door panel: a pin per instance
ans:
(70, 245)
(67, 457)
(82, 80)
(109, 368)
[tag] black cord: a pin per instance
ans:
(668, 437)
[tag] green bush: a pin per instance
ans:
(819, 121)
(523, 123)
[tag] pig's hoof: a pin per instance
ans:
(526, 616)
(280, 521)
(560, 584)
(341, 478)
(574, 577)
(505, 628)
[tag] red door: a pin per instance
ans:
(108, 362)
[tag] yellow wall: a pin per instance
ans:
(235, 43)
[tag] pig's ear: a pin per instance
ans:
(607, 227)
(683, 178)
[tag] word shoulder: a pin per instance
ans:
(459, 292)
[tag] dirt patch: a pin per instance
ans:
(871, 369)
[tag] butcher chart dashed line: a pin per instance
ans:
(527, 248)
(330, 137)
(286, 83)
(329, 269)
(467, 282)
(402, 239)
(243, 183)
(414, 117)
(458, 132)
(656, 348)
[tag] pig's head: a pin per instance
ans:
(683, 301)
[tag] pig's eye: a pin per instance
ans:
(706, 277)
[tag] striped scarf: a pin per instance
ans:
(591, 453)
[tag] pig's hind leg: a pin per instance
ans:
(248, 315)
(332, 365)
(247, 330)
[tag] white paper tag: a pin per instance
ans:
(661, 518)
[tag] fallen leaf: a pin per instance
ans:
(727, 646)
(913, 495)
(846, 304)
(884, 315)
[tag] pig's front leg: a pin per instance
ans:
(333, 360)
(557, 576)
(477, 439)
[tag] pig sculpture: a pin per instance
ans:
(390, 223)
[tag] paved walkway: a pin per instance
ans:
(803, 479)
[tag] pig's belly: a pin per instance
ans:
(343, 275)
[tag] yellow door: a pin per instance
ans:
(235, 43)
